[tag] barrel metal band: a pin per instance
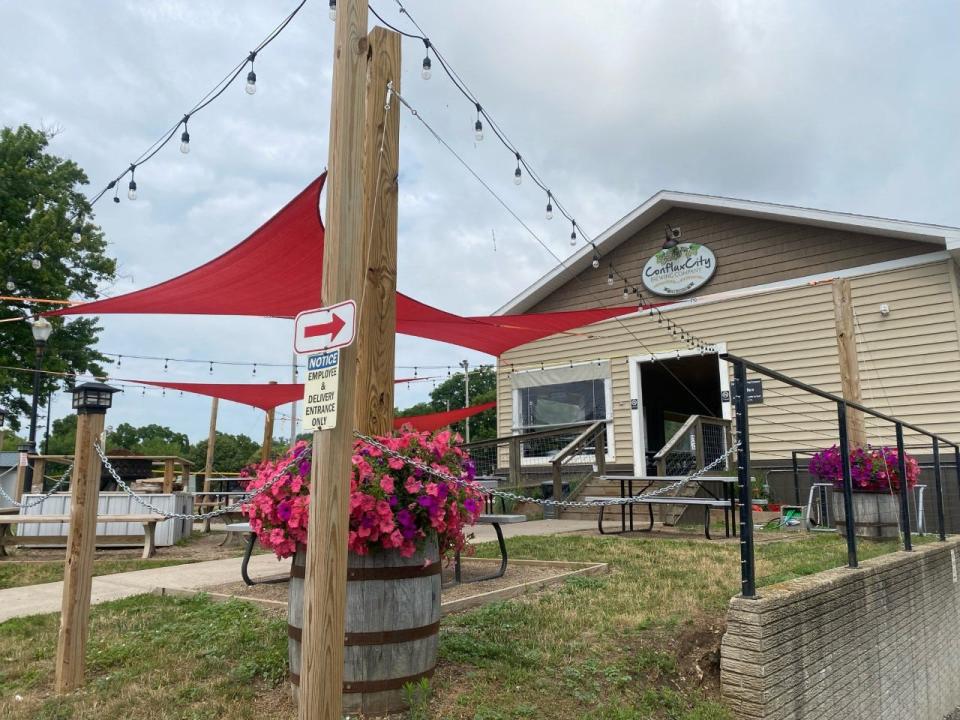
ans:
(371, 686)
(402, 572)
(387, 637)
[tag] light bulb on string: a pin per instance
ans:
(132, 187)
(165, 363)
(35, 262)
(596, 260)
(77, 235)
(478, 126)
(11, 286)
(254, 368)
(426, 71)
(549, 205)
(626, 291)
(211, 367)
(119, 360)
(517, 174)
(251, 86)
(573, 233)
(333, 10)
(610, 275)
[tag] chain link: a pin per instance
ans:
(420, 465)
(195, 516)
(33, 503)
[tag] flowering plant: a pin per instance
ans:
(393, 505)
(871, 469)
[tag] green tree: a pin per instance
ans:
(40, 207)
(231, 453)
(63, 436)
(148, 440)
(451, 395)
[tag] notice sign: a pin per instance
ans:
(320, 391)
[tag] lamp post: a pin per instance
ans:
(91, 401)
(41, 329)
(466, 403)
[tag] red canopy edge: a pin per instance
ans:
(435, 421)
(265, 396)
(277, 272)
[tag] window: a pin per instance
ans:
(553, 397)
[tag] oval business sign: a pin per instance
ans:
(679, 270)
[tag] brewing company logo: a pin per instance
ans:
(679, 270)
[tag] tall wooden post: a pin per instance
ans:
(325, 586)
(205, 504)
(77, 576)
(847, 352)
(376, 327)
(267, 445)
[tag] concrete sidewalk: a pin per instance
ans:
(46, 598)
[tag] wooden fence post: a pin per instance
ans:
(849, 365)
(81, 543)
(205, 503)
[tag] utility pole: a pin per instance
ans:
(849, 365)
(466, 403)
(268, 432)
(325, 572)
(206, 503)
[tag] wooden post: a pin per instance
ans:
(77, 576)
(514, 461)
(168, 475)
(267, 445)
(600, 451)
(325, 582)
(205, 504)
(849, 367)
(21, 479)
(39, 470)
(376, 326)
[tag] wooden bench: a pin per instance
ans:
(496, 521)
(708, 504)
(149, 531)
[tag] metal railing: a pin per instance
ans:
(747, 561)
(698, 442)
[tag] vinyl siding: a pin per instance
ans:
(909, 360)
(749, 252)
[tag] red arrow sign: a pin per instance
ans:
(331, 328)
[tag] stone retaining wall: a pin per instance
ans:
(882, 641)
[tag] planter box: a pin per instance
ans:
(875, 515)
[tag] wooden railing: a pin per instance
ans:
(698, 442)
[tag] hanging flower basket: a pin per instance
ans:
(403, 521)
(875, 480)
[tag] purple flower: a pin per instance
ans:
(284, 510)
(406, 519)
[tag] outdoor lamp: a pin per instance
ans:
(93, 397)
(671, 237)
(41, 329)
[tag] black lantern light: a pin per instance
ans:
(93, 397)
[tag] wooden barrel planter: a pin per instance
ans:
(392, 626)
(875, 515)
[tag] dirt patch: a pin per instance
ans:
(518, 573)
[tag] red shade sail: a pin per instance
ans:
(435, 421)
(276, 272)
(265, 396)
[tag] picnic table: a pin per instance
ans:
(725, 500)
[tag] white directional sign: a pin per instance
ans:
(320, 391)
(325, 328)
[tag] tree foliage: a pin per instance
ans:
(451, 395)
(231, 453)
(40, 205)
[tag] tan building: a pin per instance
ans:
(766, 295)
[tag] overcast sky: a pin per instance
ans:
(849, 106)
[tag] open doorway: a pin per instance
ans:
(665, 391)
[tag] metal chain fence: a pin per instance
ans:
(36, 501)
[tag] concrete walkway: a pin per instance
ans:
(46, 598)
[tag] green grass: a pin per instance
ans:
(637, 644)
(19, 574)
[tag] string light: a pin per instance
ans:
(626, 291)
(132, 187)
(610, 275)
(119, 359)
(35, 262)
(478, 126)
(573, 233)
(211, 367)
(254, 368)
(426, 70)
(11, 286)
(77, 229)
(185, 137)
(549, 205)
(596, 260)
(517, 174)
(251, 86)
(165, 362)
(218, 89)
(333, 10)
